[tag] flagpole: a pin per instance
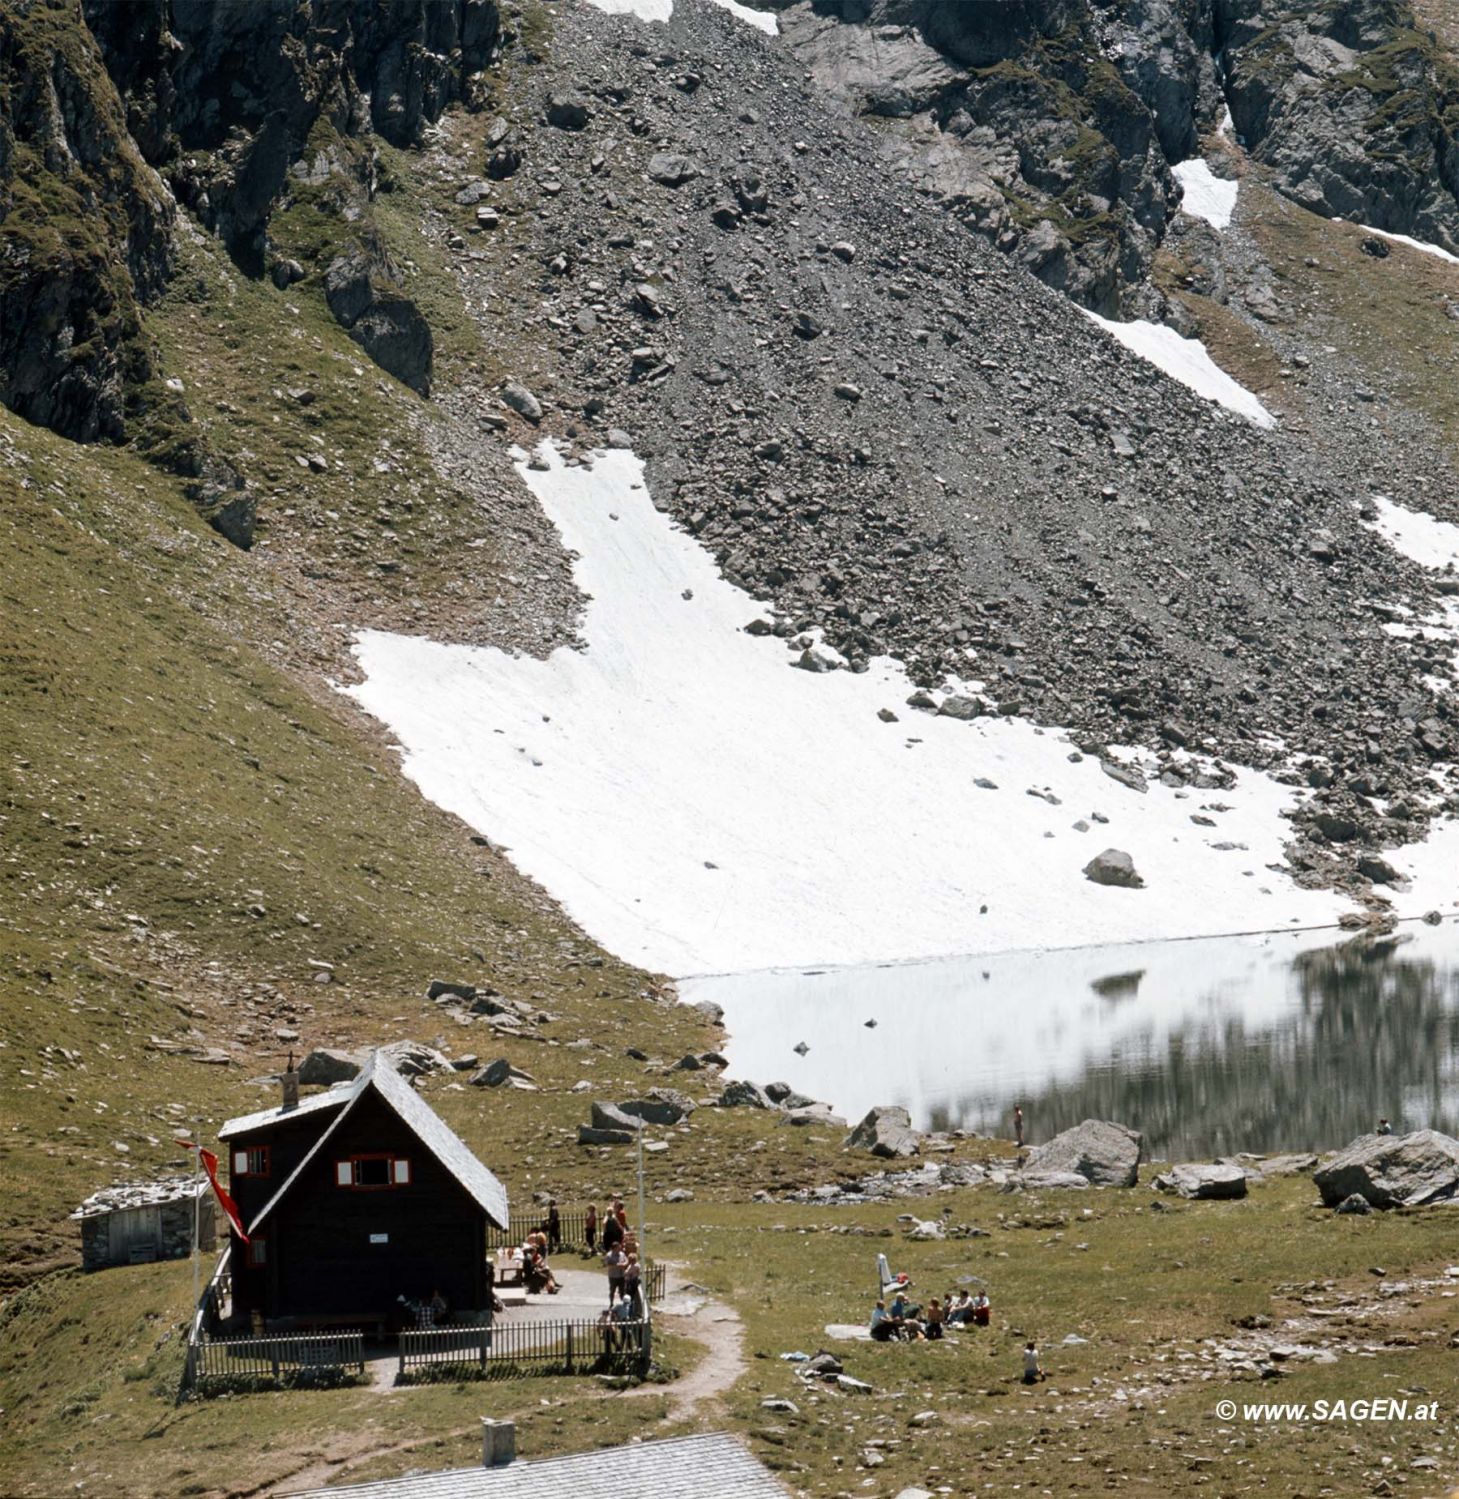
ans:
(642, 1227)
(197, 1213)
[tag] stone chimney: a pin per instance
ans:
(290, 1081)
(498, 1442)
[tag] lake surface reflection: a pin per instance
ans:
(1283, 1041)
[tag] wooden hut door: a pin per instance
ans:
(136, 1234)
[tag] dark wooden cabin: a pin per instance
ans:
(352, 1199)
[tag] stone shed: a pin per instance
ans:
(143, 1221)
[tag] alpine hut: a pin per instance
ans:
(354, 1200)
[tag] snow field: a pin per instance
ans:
(1206, 196)
(661, 10)
(699, 806)
(1188, 361)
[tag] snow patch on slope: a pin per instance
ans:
(1188, 361)
(1413, 244)
(661, 10)
(699, 806)
(1431, 867)
(1205, 196)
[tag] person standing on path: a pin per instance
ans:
(615, 1262)
(612, 1230)
(554, 1226)
(1018, 1125)
(590, 1227)
(633, 1285)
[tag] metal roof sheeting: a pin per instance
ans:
(421, 1119)
(331, 1098)
(710, 1466)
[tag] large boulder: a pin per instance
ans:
(326, 1065)
(1202, 1181)
(660, 1106)
(886, 1131)
(1393, 1170)
(1044, 1180)
(609, 1116)
(500, 1073)
(363, 290)
(589, 1135)
(1105, 1154)
(744, 1095)
(1114, 867)
(415, 1058)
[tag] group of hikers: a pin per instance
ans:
(909, 1321)
(619, 1253)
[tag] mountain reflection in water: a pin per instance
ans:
(1278, 1042)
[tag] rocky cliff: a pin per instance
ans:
(1050, 125)
(114, 113)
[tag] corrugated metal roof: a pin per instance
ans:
(331, 1098)
(710, 1466)
(422, 1120)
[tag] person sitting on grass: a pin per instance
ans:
(961, 1310)
(1033, 1371)
(932, 1322)
(982, 1309)
(883, 1324)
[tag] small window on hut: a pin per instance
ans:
(367, 1171)
(251, 1162)
(258, 1250)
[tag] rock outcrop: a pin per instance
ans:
(226, 100)
(886, 1132)
(326, 1065)
(1202, 1182)
(1392, 1170)
(1351, 107)
(1049, 127)
(366, 294)
(84, 233)
(1105, 1154)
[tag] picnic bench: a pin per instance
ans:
(509, 1268)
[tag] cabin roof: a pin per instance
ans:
(142, 1195)
(712, 1465)
(379, 1077)
(246, 1124)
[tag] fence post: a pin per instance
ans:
(399, 1373)
(569, 1347)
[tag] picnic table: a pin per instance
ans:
(509, 1268)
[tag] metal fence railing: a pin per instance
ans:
(566, 1347)
(656, 1281)
(288, 1359)
(572, 1230)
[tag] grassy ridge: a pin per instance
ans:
(188, 829)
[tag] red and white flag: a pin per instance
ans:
(210, 1165)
